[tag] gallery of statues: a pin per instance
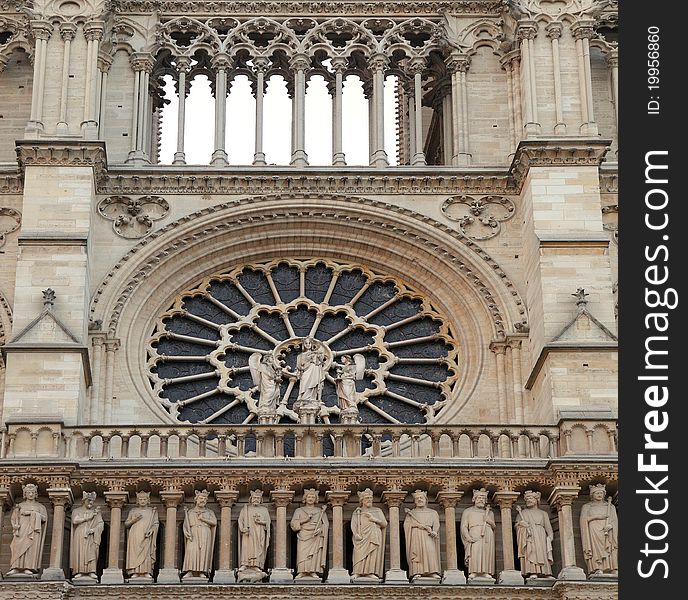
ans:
(308, 298)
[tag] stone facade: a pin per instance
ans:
(473, 285)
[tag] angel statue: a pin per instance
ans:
(347, 373)
(267, 376)
(310, 368)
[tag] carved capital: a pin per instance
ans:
(498, 347)
(417, 65)
(141, 61)
(60, 496)
(378, 62)
(104, 63)
(260, 64)
(584, 29)
(505, 499)
(112, 345)
(458, 62)
(339, 64)
(337, 497)
(394, 498)
(116, 499)
(554, 30)
(77, 153)
(563, 496)
(226, 498)
(182, 64)
(221, 62)
(67, 31)
(449, 499)
(526, 30)
(41, 30)
(172, 498)
(281, 498)
(93, 31)
(299, 62)
(613, 58)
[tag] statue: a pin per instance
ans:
(142, 524)
(347, 373)
(254, 539)
(368, 526)
(311, 524)
(29, 519)
(600, 533)
(199, 532)
(87, 529)
(267, 376)
(310, 368)
(477, 535)
(534, 537)
(422, 531)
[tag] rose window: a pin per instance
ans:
(208, 351)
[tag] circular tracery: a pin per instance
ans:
(198, 356)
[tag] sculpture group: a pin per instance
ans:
(311, 526)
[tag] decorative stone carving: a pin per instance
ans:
(479, 219)
(133, 218)
(422, 532)
(254, 539)
(534, 537)
(10, 221)
(477, 535)
(348, 372)
(311, 370)
(600, 533)
(369, 527)
(311, 524)
(142, 524)
(267, 376)
(199, 534)
(29, 524)
(87, 529)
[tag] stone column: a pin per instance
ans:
(93, 414)
(299, 64)
(394, 499)
(4, 497)
(379, 158)
(60, 498)
(170, 570)
(220, 64)
(613, 62)
(41, 31)
(337, 573)
(67, 32)
(113, 573)
(111, 347)
(554, 30)
(507, 64)
(582, 32)
(104, 64)
(417, 67)
(280, 573)
(225, 572)
(562, 497)
(458, 67)
(510, 575)
(499, 349)
(339, 65)
(93, 32)
(447, 148)
(526, 32)
(260, 66)
(517, 371)
(142, 64)
(448, 500)
(182, 64)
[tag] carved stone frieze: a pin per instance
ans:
(479, 219)
(63, 154)
(133, 218)
(10, 221)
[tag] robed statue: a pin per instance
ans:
(422, 532)
(368, 526)
(477, 535)
(87, 530)
(311, 525)
(346, 374)
(534, 537)
(142, 525)
(599, 527)
(29, 523)
(254, 538)
(267, 376)
(310, 369)
(199, 534)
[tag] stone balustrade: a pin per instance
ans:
(178, 443)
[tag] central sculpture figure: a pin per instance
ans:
(142, 524)
(199, 531)
(311, 524)
(477, 535)
(87, 529)
(422, 531)
(368, 526)
(310, 368)
(254, 538)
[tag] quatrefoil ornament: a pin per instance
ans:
(479, 219)
(10, 220)
(133, 218)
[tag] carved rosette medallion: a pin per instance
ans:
(198, 356)
(10, 220)
(133, 218)
(479, 218)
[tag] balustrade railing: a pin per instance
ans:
(232, 442)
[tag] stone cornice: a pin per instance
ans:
(310, 7)
(62, 153)
(559, 152)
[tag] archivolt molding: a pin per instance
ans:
(497, 303)
(5, 318)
